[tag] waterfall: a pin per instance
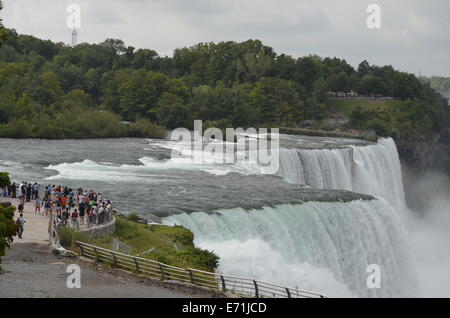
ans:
(320, 246)
(372, 169)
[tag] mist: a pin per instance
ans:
(429, 232)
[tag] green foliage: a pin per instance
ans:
(347, 106)
(170, 245)
(68, 237)
(49, 90)
(401, 119)
(4, 179)
(172, 112)
(144, 128)
(8, 228)
(133, 217)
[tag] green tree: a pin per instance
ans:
(8, 229)
(277, 101)
(338, 82)
(252, 67)
(172, 113)
(4, 179)
(320, 90)
(3, 32)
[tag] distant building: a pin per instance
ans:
(74, 38)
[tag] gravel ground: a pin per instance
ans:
(31, 271)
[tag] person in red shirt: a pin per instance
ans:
(63, 202)
(74, 217)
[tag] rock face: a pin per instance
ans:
(425, 166)
(426, 153)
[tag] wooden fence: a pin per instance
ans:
(241, 286)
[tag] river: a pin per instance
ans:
(335, 206)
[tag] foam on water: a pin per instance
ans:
(289, 243)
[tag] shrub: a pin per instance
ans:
(68, 237)
(133, 218)
(4, 179)
(8, 228)
(143, 128)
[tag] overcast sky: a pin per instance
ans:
(414, 34)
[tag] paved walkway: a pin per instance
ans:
(36, 226)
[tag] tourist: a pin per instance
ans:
(58, 205)
(82, 209)
(48, 206)
(13, 190)
(75, 223)
(28, 191)
(63, 202)
(21, 205)
(59, 201)
(35, 191)
(21, 223)
(37, 206)
(65, 217)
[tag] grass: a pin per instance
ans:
(169, 245)
(347, 106)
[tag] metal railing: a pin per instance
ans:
(241, 286)
(119, 246)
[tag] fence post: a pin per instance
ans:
(192, 276)
(113, 259)
(96, 255)
(256, 289)
(81, 249)
(288, 292)
(162, 271)
(136, 263)
(224, 288)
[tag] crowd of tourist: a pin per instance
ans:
(68, 207)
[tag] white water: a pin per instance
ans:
(323, 247)
(373, 169)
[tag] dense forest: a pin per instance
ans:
(51, 90)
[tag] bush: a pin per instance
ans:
(201, 258)
(4, 179)
(125, 229)
(144, 128)
(68, 237)
(8, 228)
(133, 218)
(18, 129)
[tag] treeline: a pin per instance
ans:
(50, 90)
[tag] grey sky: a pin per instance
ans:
(413, 37)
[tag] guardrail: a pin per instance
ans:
(242, 286)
